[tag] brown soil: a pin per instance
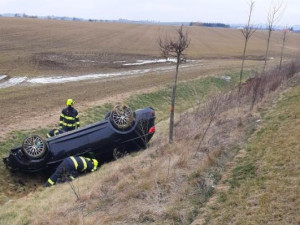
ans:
(30, 107)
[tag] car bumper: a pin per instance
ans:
(18, 161)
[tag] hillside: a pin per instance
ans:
(262, 185)
(171, 184)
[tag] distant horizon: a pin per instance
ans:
(213, 11)
(24, 15)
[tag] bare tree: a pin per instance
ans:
(282, 46)
(247, 32)
(273, 17)
(174, 48)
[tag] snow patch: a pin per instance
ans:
(227, 78)
(84, 60)
(2, 77)
(12, 82)
(144, 62)
(63, 79)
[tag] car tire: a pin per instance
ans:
(34, 146)
(122, 117)
(119, 153)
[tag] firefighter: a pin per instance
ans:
(54, 132)
(69, 118)
(70, 168)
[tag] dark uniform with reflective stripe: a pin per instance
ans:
(69, 119)
(70, 168)
(54, 132)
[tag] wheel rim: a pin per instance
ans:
(34, 146)
(122, 116)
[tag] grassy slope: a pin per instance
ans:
(264, 184)
(187, 93)
(136, 188)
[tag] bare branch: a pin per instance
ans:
(170, 47)
(247, 31)
(285, 31)
(273, 17)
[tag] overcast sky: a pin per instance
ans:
(223, 11)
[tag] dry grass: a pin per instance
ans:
(264, 182)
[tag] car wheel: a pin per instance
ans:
(34, 146)
(122, 117)
(119, 153)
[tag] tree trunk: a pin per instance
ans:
(243, 61)
(267, 50)
(172, 110)
(282, 48)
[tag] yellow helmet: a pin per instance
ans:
(70, 102)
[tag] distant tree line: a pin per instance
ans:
(209, 24)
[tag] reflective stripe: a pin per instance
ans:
(50, 181)
(69, 118)
(75, 162)
(48, 135)
(95, 162)
(68, 124)
(84, 163)
(69, 121)
(72, 178)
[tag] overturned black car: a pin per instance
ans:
(122, 130)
